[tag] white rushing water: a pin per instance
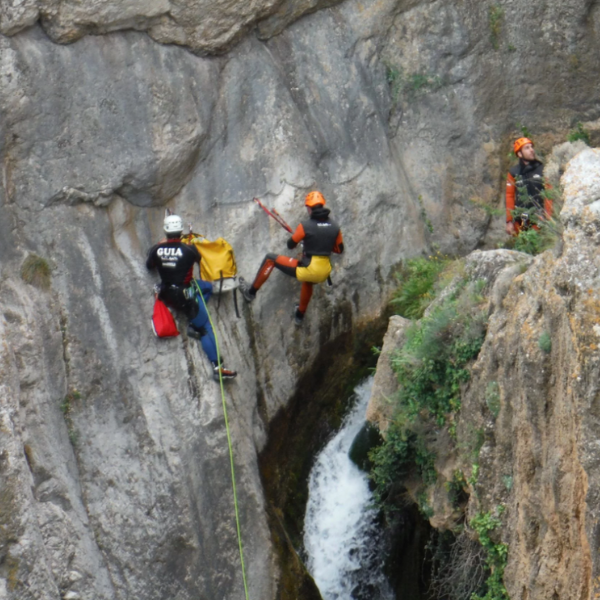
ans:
(340, 530)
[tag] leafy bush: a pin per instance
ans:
(535, 242)
(579, 133)
(431, 366)
(416, 285)
(403, 452)
(497, 554)
(412, 85)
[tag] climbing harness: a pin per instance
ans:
(235, 501)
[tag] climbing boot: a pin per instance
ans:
(225, 373)
(246, 290)
(298, 317)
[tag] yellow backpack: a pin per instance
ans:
(218, 261)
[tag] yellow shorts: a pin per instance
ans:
(317, 271)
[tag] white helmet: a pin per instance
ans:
(173, 224)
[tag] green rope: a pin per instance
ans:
(235, 501)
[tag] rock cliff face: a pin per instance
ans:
(539, 455)
(113, 459)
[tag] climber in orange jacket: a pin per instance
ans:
(321, 236)
(525, 187)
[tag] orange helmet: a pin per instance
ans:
(520, 143)
(314, 199)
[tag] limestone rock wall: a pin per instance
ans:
(545, 436)
(114, 467)
(540, 454)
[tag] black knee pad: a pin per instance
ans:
(201, 331)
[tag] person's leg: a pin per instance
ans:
(284, 263)
(271, 261)
(206, 287)
(201, 325)
(305, 296)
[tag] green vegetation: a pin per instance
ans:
(36, 271)
(492, 398)
(496, 554)
(474, 476)
(579, 133)
(545, 342)
(431, 366)
(410, 86)
(416, 281)
(495, 21)
(403, 452)
(424, 215)
(424, 506)
(536, 241)
(471, 443)
(544, 233)
(66, 407)
(456, 487)
(525, 132)
(394, 79)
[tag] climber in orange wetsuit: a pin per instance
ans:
(525, 187)
(321, 236)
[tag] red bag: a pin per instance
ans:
(163, 322)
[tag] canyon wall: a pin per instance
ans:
(114, 464)
(527, 430)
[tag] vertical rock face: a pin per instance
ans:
(540, 358)
(542, 350)
(113, 459)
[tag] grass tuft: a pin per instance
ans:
(36, 271)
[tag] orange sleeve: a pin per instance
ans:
(548, 203)
(298, 234)
(510, 196)
(339, 243)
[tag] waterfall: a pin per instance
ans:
(341, 536)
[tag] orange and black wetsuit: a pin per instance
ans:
(321, 236)
(524, 192)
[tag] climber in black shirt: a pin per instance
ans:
(175, 263)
